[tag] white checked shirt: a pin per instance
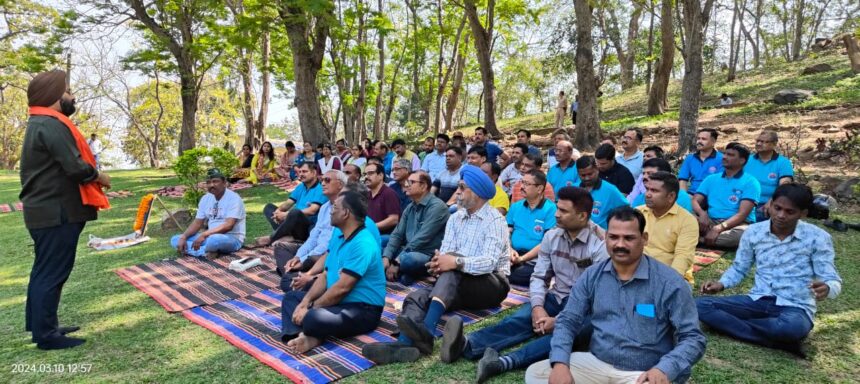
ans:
(481, 238)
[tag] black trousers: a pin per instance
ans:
(296, 224)
(342, 320)
(521, 274)
(458, 290)
(55, 257)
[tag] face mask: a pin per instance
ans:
(67, 107)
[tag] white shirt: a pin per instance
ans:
(726, 101)
(510, 175)
(326, 166)
(216, 212)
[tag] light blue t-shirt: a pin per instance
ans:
(433, 164)
(695, 170)
(684, 200)
(725, 194)
(633, 164)
(304, 197)
(530, 224)
(360, 257)
(768, 174)
(560, 178)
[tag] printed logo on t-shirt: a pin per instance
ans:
(538, 226)
(569, 183)
(771, 176)
(734, 198)
(712, 169)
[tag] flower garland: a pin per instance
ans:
(143, 211)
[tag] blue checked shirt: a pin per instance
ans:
(786, 268)
(481, 238)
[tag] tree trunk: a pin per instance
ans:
(587, 119)
(853, 45)
(380, 80)
(626, 57)
(798, 30)
(392, 93)
(752, 40)
(648, 68)
(695, 19)
(657, 99)
(189, 94)
(265, 95)
(733, 45)
(307, 62)
(360, 109)
(483, 38)
(443, 81)
(451, 103)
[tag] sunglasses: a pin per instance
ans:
(327, 180)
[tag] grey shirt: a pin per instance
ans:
(649, 321)
(420, 228)
(559, 257)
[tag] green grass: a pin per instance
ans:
(132, 339)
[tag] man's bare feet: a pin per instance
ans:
(263, 241)
(303, 343)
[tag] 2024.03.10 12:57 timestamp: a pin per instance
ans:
(73, 368)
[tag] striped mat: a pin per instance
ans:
(253, 324)
(14, 207)
(706, 257)
(187, 282)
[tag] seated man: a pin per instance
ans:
(297, 215)
(418, 233)
(769, 168)
(471, 266)
(672, 231)
(511, 174)
(446, 181)
(353, 173)
(348, 298)
(642, 312)
(524, 137)
(476, 155)
(500, 201)
(731, 197)
(606, 196)
(612, 171)
(793, 268)
(224, 214)
(530, 162)
(384, 206)
(650, 167)
(402, 153)
(652, 152)
(631, 158)
(706, 161)
(528, 220)
(565, 253)
(398, 184)
(563, 173)
(291, 256)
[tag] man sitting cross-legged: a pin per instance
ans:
(645, 326)
(672, 231)
(731, 197)
(649, 167)
(793, 268)
(384, 206)
(348, 297)
(565, 253)
(606, 196)
(529, 219)
(418, 233)
(296, 216)
(224, 214)
(471, 266)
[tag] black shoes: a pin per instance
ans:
(418, 333)
(60, 342)
(387, 353)
(489, 365)
(836, 225)
(453, 340)
(69, 329)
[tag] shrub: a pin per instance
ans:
(191, 169)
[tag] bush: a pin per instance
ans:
(191, 169)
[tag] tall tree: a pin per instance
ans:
(626, 56)
(657, 99)
(587, 120)
(483, 39)
(696, 16)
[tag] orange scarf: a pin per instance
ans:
(91, 193)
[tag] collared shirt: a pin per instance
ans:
(481, 238)
(636, 322)
(420, 229)
(493, 151)
(724, 194)
(684, 200)
(558, 257)
(401, 195)
(786, 268)
(638, 189)
(633, 163)
(535, 150)
(384, 204)
(500, 199)
(529, 224)
(446, 183)
(695, 170)
(434, 164)
(768, 174)
(560, 178)
(510, 175)
(620, 177)
(517, 193)
(388, 162)
(317, 242)
(672, 238)
(410, 156)
(357, 256)
(606, 198)
(305, 196)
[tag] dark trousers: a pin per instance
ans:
(458, 290)
(55, 256)
(284, 251)
(296, 224)
(342, 320)
(287, 277)
(521, 274)
(759, 322)
(518, 328)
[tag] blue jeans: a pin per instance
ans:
(516, 329)
(759, 321)
(412, 266)
(218, 242)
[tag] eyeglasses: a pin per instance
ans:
(410, 182)
(327, 180)
(530, 184)
(371, 173)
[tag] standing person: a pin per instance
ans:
(632, 157)
(434, 162)
(96, 147)
(263, 165)
(704, 162)
(61, 190)
(769, 168)
(525, 137)
(328, 161)
(574, 108)
(223, 213)
(560, 109)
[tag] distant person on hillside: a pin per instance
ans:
(725, 100)
(574, 108)
(560, 109)
(97, 148)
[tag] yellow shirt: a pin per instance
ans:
(500, 200)
(672, 239)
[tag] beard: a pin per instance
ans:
(67, 107)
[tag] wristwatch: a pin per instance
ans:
(460, 263)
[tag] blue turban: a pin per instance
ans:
(478, 181)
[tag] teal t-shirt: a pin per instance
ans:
(528, 224)
(304, 197)
(560, 178)
(606, 198)
(768, 174)
(361, 257)
(725, 194)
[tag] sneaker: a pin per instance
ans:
(418, 333)
(489, 366)
(453, 340)
(387, 353)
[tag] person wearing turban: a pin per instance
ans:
(61, 190)
(471, 269)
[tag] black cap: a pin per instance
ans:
(214, 173)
